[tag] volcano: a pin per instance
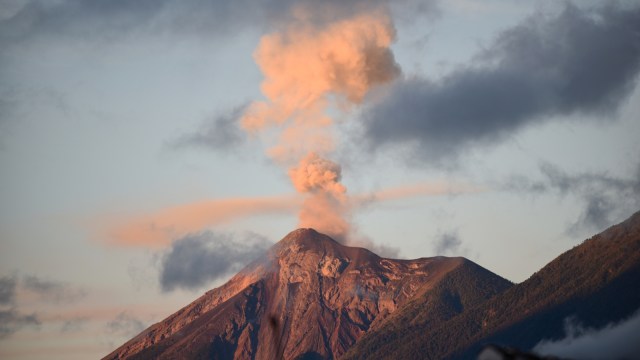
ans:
(310, 297)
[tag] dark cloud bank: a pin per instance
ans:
(198, 259)
(578, 62)
(110, 19)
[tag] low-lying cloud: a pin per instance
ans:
(614, 341)
(199, 259)
(582, 62)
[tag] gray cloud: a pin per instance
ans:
(614, 341)
(7, 105)
(607, 199)
(448, 244)
(219, 133)
(11, 320)
(53, 291)
(198, 259)
(126, 325)
(109, 19)
(578, 62)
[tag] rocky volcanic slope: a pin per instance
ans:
(596, 283)
(310, 298)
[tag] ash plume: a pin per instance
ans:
(326, 204)
(310, 68)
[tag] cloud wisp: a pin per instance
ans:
(11, 321)
(448, 243)
(125, 325)
(159, 229)
(73, 325)
(415, 190)
(606, 199)
(199, 259)
(579, 62)
(53, 291)
(7, 290)
(219, 133)
(13, 290)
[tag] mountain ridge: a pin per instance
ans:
(582, 283)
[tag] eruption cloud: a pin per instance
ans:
(310, 69)
(326, 205)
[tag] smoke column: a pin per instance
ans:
(308, 69)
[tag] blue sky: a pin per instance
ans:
(509, 136)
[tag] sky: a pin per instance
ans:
(149, 149)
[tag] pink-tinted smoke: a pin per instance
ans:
(309, 69)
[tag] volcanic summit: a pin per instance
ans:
(308, 297)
